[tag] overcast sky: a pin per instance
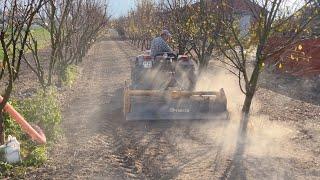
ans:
(120, 7)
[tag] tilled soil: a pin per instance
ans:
(99, 144)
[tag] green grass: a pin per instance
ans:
(40, 34)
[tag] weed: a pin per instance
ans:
(37, 156)
(5, 168)
(42, 109)
(69, 75)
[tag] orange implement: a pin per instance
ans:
(39, 137)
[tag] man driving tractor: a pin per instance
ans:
(163, 88)
(159, 44)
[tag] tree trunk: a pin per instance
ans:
(204, 61)
(181, 48)
(251, 89)
(143, 45)
(51, 65)
(2, 105)
(2, 135)
(245, 115)
(62, 73)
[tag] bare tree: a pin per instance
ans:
(54, 16)
(17, 18)
(36, 65)
(269, 17)
(73, 27)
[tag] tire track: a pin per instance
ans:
(99, 143)
(158, 145)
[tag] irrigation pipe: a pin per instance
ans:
(39, 137)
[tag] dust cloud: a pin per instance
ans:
(265, 137)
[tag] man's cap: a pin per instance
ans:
(165, 32)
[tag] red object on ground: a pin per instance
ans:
(39, 137)
(300, 59)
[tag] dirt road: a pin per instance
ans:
(98, 144)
